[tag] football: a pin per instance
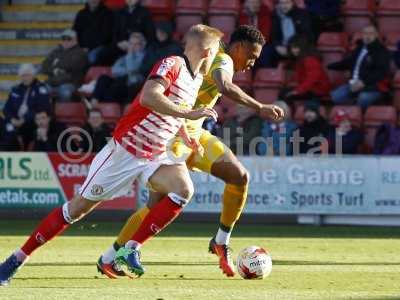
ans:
(254, 263)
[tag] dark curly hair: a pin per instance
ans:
(247, 33)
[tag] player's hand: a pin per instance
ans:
(195, 145)
(272, 112)
(201, 113)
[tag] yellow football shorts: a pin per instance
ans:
(213, 150)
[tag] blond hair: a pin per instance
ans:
(205, 34)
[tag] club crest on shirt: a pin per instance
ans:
(165, 66)
(97, 190)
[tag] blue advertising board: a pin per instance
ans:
(353, 185)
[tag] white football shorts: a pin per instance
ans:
(113, 171)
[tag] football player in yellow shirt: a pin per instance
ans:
(217, 159)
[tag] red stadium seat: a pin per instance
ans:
(268, 83)
(333, 42)
(184, 22)
(189, 13)
(373, 118)
(243, 79)
(357, 14)
(225, 23)
(389, 15)
(70, 113)
(396, 87)
(111, 112)
(191, 7)
(377, 115)
(224, 7)
(115, 4)
(300, 3)
(160, 9)
(353, 111)
(226, 109)
(95, 72)
(299, 113)
(391, 39)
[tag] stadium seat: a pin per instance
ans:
(396, 92)
(111, 112)
(300, 3)
(115, 4)
(191, 7)
(353, 111)
(391, 39)
(226, 109)
(225, 23)
(268, 83)
(160, 9)
(333, 42)
(70, 113)
(373, 118)
(243, 79)
(188, 13)
(223, 7)
(299, 113)
(357, 14)
(95, 72)
(389, 15)
(223, 14)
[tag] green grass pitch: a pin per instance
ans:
(309, 263)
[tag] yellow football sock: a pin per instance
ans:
(131, 226)
(233, 201)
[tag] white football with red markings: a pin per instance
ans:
(254, 263)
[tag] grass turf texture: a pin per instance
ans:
(309, 263)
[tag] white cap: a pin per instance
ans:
(26, 69)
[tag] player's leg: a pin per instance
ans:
(219, 161)
(174, 182)
(129, 229)
(54, 224)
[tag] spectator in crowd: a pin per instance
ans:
(278, 135)
(325, 15)
(97, 130)
(396, 55)
(313, 129)
(369, 64)
(47, 132)
(134, 17)
(257, 14)
(287, 21)
(310, 75)
(24, 100)
(126, 77)
(94, 27)
(387, 140)
(163, 46)
(241, 130)
(65, 66)
(350, 137)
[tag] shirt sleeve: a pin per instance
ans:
(223, 62)
(167, 70)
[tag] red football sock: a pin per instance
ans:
(50, 226)
(160, 215)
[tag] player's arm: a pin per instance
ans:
(225, 86)
(153, 98)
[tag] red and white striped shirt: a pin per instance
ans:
(146, 133)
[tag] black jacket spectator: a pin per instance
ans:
(163, 46)
(325, 15)
(301, 20)
(37, 100)
(374, 70)
(131, 19)
(99, 137)
(94, 27)
(98, 131)
(47, 132)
